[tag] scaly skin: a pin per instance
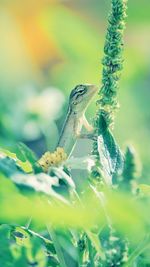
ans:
(79, 100)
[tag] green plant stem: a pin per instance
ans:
(57, 246)
(91, 254)
(144, 244)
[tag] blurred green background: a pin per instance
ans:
(49, 46)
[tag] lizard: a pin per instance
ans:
(80, 98)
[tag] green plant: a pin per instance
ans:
(102, 223)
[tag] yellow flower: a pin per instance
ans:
(52, 159)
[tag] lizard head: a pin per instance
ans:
(81, 96)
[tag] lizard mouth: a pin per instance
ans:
(93, 89)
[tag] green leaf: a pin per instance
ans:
(26, 166)
(31, 247)
(58, 248)
(96, 243)
(9, 167)
(28, 155)
(111, 158)
(22, 259)
(38, 241)
(132, 168)
(6, 257)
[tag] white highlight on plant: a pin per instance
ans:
(104, 157)
(82, 163)
(62, 175)
(41, 183)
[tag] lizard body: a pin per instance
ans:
(79, 100)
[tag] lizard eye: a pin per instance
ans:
(81, 90)
(77, 93)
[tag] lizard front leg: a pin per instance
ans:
(78, 126)
(86, 124)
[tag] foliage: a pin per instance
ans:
(102, 222)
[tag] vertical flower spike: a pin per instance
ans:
(112, 61)
(112, 66)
